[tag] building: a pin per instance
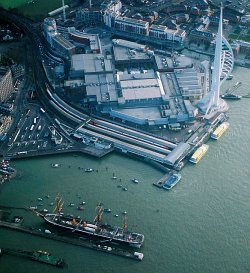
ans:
(92, 16)
(140, 89)
(6, 84)
(132, 26)
(50, 29)
(17, 70)
(163, 33)
(90, 40)
(189, 83)
(66, 48)
(201, 36)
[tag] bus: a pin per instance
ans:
(39, 128)
(42, 110)
(32, 127)
(35, 120)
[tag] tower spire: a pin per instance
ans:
(223, 66)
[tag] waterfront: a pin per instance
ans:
(199, 226)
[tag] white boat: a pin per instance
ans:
(135, 180)
(88, 170)
(55, 165)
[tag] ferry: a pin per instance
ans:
(172, 181)
(219, 131)
(198, 154)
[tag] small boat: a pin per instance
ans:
(39, 199)
(82, 203)
(114, 177)
(51, 204)
(80, 208)
(33, 207)
(119, 186)
(45, 210)
(88, 170)
(107, 210)
(116, 215)
(55, 165)
(124, 213)
(135, 180)
(71, 204)
(125, 189)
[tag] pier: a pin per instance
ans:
(162, 180)
(78, 241)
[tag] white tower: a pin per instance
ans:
(223, 66)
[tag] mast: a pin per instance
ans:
(124, 225)
(98, 217)
(59, 204)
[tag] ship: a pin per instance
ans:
(96, 229)
(198, 154)
(231, 96)
(219, 131)
(172, 181)
(39, 256)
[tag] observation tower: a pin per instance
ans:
(223, 66)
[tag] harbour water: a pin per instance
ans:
(201, 225)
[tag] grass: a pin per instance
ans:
(34, 9)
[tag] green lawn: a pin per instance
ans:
(12, 3)
(35, 9)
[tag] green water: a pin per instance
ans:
(201, 225)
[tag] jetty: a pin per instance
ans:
(159, 183)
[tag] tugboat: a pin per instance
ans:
(95, 229)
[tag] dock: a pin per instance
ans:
(78, 241)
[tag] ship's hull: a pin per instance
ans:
(90, 232)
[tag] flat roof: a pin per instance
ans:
(100, 85)
(90, 63)
(140, 89)
(125, 54)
